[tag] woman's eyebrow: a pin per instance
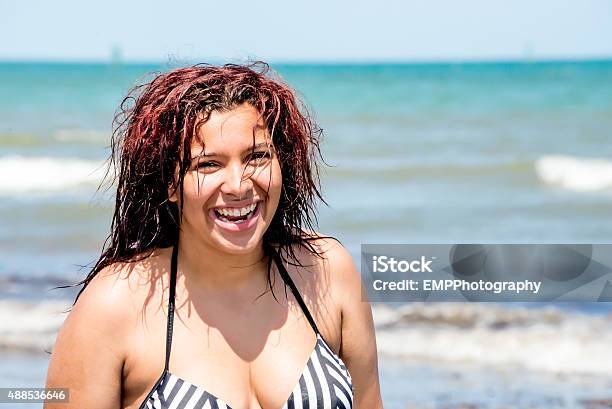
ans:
(252, 148)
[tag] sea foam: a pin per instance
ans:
(574, 173)
(28, 326)
(486, 335)
(19, 174)
(546, 339)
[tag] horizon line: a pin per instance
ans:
(314, 62)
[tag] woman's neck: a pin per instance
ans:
(209, 268)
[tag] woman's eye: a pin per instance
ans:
(260, 155)
(206, 165)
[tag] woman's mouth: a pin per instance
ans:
(236, 218)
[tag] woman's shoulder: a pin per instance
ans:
(117, 293)
(328, 281)
(331, 262)
(95, 340)
(330, 253)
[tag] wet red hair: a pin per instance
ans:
(153, 132)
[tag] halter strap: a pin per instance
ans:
(170, 322)
(288, 281)
(171, 300)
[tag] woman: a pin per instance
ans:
(188, 306)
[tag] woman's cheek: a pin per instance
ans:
(201, 185)
(268, 181)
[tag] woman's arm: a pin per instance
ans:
(88, 355)
(358, 347)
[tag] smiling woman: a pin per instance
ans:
(235, 159)
(222, 160)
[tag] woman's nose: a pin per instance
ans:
(237, 181)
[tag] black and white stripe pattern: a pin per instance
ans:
(175, 393)
(324, 384)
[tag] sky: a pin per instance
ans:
(314, 30)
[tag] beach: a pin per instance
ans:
(418, 153)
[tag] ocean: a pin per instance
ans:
(514, 152)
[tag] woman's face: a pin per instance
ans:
(233, 186)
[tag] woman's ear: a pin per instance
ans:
(172, 194)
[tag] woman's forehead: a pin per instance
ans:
(242, 117)
(230, 143)
(239, 125)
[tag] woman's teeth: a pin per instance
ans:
(234, 214)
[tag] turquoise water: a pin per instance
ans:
(420, 153)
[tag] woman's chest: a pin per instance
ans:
(255, 359)
(324, 380)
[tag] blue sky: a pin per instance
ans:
(316, 30)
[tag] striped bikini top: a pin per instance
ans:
(325, 382)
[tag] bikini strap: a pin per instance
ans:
(171, 298)
(170, 321)
(288, 281)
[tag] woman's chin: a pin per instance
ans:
(238, 243)
(238, 248)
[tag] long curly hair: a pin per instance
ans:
(152, 134)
